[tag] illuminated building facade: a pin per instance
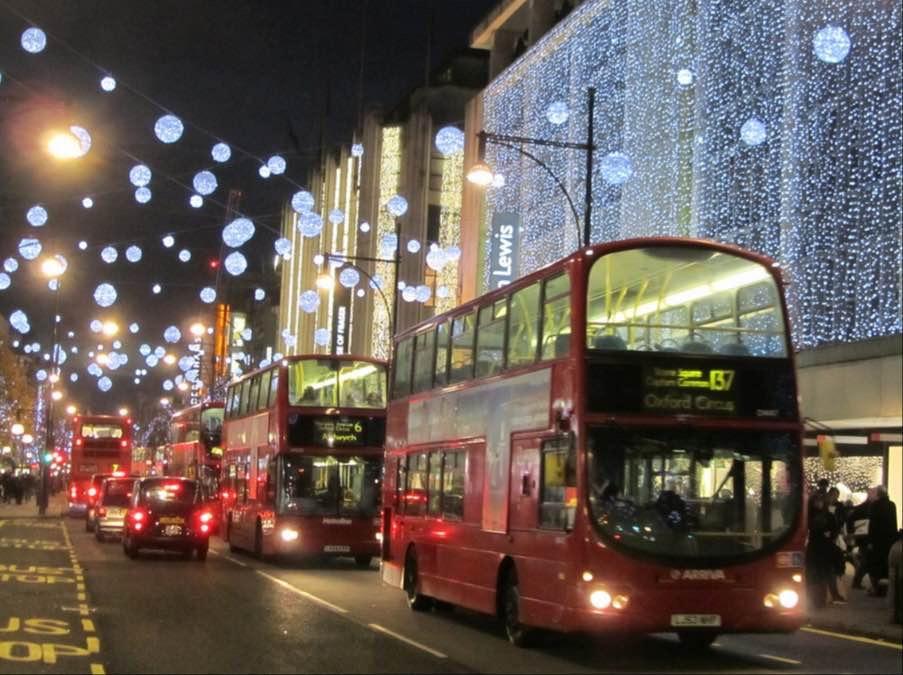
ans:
(771, 124)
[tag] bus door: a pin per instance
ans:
(542, 511)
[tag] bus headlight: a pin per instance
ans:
(600, 599)
(788, 598)
(288, 534)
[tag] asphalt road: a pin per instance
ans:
(235, 614)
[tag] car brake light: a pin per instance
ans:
(206, 517)
(124, 444)
(137, 516)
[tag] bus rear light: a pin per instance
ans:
(205, 516)
(600, 599)
(798, 578)
(587, 576)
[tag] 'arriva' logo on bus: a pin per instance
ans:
(698, 575)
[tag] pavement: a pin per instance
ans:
(864, 615)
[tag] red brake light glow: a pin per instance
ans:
(206, 517)
(124, 443)
(137, 516)
(92, 491)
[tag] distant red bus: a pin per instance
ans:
(303, 456)
(100, 444)
(195, 444)
(610, 443)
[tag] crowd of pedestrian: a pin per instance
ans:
(862, 535)
(16, 488)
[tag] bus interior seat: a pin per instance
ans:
(734, 349)
(609, 341)
(696, 347)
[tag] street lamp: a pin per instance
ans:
(481, 173)
(197, 329)
(110, 328)
(71, 409)
(53, 268)
(64, 145)
(123, 412)
(27, 439)
(17, 429)
(56, 395)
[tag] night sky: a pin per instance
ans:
(265, 77)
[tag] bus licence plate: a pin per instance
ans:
(695, 620)
(172, 530)
(336, 548)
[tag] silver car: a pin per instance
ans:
(111, 506)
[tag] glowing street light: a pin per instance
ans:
(183, 386)
(64, 145)
(17, 429)
(71, 409)
(325, 282)
(52, 268)
(197, 329)
(102, 359)
(110, 328)
(56, 395)
(169, 359)
(123, 412)
(481, 174)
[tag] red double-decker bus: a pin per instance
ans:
(303, 456)
(100, 444)
(610, 443)
(195, 443)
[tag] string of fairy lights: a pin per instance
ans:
(772, 125)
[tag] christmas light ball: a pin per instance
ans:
(133, 254)
(238, 232)
(140, 175)
(19, 320)
(321, 337)
(156, 288)
(450, 141)
(36, 216)
(276, 165)
(29, 248)
(259, 294)
(436, 258)
(196, 201)
(221, 152)
(753, 132)
(376, 282)
(96, 325)
(409, 294)
(336, 216)
(442, 292)
(83, 245)
(160, 352)
(422, 293)
(109, 255)
(186, 363)
(831, 44)
(144, 349)
(413, 246)
(302, 201)
(365, 226)
(73, 377)
(108, 83)
(204, 182)
(172, 334)
(5, 281)
(349, 277)
(34, 40)
(283, 247)
(168, 241)
(357, 150)
(10, 265)
(134, 328)
(167, 385)
(40, 375)
(310, 224)
(87, 202)
(685, 77)
(616, 168)
(388, 243)
(94, 370)
(169, 128)
(143, 195)
(235, 263)
(264, 171)
(84, 139)
(208, 295)
(397, 206)
(105, 295)
(453, 253)
(557, 113)
(104, 384)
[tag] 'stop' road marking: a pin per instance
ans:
(854, 638)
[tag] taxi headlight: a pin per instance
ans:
(288, 534)
(788, 598)
(600, 599)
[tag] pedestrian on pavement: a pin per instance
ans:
(882, 533)
(821, 490)
(858, 525)
(895, 579)
(838, 546)
(819, 551)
